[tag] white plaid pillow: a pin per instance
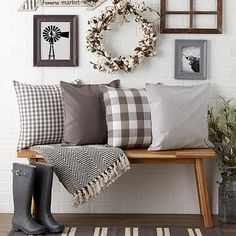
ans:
(41, 114)
(128, 117)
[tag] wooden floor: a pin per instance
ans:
(126, 220)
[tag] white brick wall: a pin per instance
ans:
(146, 188)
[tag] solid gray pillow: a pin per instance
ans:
(84, 110)
(179, 116)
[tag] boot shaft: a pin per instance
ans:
(42, 197)
(43, 186)
(23, 185)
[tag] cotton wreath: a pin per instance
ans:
(146, 46)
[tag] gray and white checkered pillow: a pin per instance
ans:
(128, 117)
(41, 114)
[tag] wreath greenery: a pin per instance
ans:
(146, 46)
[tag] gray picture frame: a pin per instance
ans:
(73, 60)
(198, 64)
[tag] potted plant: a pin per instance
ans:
(222, 134)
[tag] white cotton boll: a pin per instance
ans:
(140, 54)
(121, 4)
(114, 66)
(107, 54)
(102, 47)
(131, 63)
(105, 60)
(126, 62)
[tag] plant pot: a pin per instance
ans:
(227, 200)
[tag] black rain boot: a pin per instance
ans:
(23, 185)
(42, 197)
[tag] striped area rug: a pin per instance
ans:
(132, 231)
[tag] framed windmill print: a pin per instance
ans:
(55, 40)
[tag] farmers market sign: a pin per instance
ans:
(32, 5)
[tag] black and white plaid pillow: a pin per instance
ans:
(128, 117)
(41, 114)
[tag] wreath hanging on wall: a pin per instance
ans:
(146, 46)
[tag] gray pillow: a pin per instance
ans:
(179, 116)
(84, 109)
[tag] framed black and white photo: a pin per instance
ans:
(55, 40)
(191, 59)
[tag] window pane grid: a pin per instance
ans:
(192, 13)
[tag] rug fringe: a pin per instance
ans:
(105, 179)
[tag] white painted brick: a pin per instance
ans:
(101, 198)
(192, 208)
(117, 186)
(6, 197)
(56, 184)
(69, 208)
(233, 73)
(106, 208)
(27, 72)
(169, 208)
(6, 187)
(226, 41)
(138, 188)
(55, 207)
(137, 208)
(146, 188)
(121, 197)
(62, 197)
(184, 198)
(58, 73)
(6, 207)
(147, 197)
(164, 185)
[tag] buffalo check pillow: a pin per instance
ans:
(128, 117)
(41, 114)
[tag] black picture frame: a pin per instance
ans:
(73, 60)
(198, 64)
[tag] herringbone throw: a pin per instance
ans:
(85, 170)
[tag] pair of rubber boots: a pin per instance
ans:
(33, 181)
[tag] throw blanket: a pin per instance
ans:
(85, 170)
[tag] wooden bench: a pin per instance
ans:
(142, 156)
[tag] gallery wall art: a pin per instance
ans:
(191, 59)
(191, 16)
(33, 5)
(146, 46)
(55, 40)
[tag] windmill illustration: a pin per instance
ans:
(52, 34)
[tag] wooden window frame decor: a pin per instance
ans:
(41, 37)
(191, 12)
(190, 59)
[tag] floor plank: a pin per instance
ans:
(126, 220)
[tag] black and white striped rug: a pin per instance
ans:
(132, 231)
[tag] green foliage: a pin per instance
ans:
(222, 134)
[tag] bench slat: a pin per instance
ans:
(142, 154)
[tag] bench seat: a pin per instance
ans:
(142, 156)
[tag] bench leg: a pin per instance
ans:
(200, 205)
(203, 194)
